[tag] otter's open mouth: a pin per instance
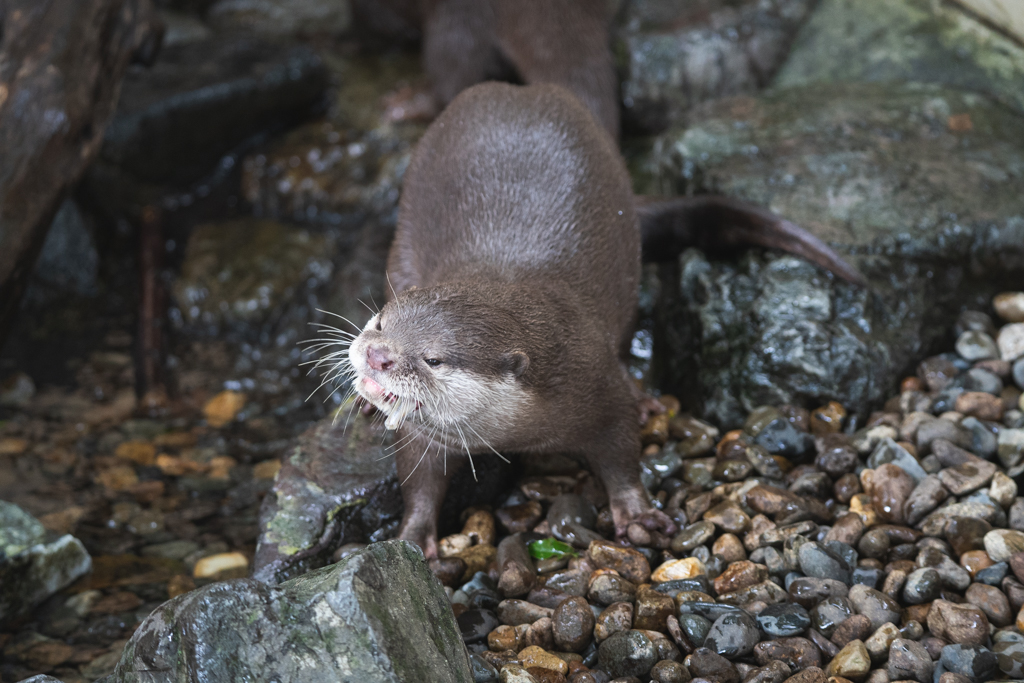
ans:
(379, 391)
(378, 395)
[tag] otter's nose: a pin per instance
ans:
(378, 358)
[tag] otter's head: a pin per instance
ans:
(448, 359)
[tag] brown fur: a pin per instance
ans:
(518, 232)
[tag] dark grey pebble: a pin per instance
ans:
(784, 619)
(626, 653)
(923, 585)
(977, 663)
(733, 635)
(475, 624)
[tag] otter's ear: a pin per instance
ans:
(516, 362)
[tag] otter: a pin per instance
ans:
(466, 42)
(514, 274)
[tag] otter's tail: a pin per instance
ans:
(669, 225)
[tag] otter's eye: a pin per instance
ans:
(432, 362)
(378, 323)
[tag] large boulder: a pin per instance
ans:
(241, 275)
(674, 55)
(346, 622)
(33, 563)
(906, 40)
(917, 185)
(338, 485)
(61, 65)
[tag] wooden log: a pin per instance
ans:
(61, 65)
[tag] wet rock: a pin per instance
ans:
(974, 345)
(281, 18)
(965, 624)
(177, 119)
(667, 671)
(857, 627)
(784, 620)
(1002, 544)
(875, 605)
(708, 155)
(706, 664)
(891, 487)
(573, 625)
(811, 675)
(967, 477)
(852, 662)
(923, 585)
(909, 660)
(740, 575)
(1010, 658)
(674, 570)
(692, 536)
(476, 624)
(908, 40)
(346, 595)
(676, 59)
(629, 563)
(729, 517)
(1011, 342)
(242, 273)
(819, 562)
(33, 563)
(615, 618)
(1009, 306)
(808, 592)
(797, 653)
(652, 609)
(628, 653)
(976, 663)
(890, 452)
(879, 642)
(515, 612)
(992, 602)
(607, 589)
(733, 635)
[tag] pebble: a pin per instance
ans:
(220, 564)
(784, 620)
(515, 612)
(692, 536)
(891, 486)
(1001, 544)
(810, 675)
(733, 635)
(857, 627)
(673, 570)
(652, 609)
(922, 585)
(797, 653)
(875, 605)
(879, 642)
(628, 653)
(222, 408)
(1011, 341)
(730, 548)
(819, 562)
(667, 671)
(852, 662)
(909, 660)
(976, 663)
(515, 673)
(729, 517)
(606, 589)
(534, 656)
(1009, 306)
(476, 624)
(965, 624)
(1010, 658)
(992, 602)
(705, 664)
(520, 518)
(975, 345)
(613, 619)
(628, 562)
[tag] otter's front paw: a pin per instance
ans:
(649, 519)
